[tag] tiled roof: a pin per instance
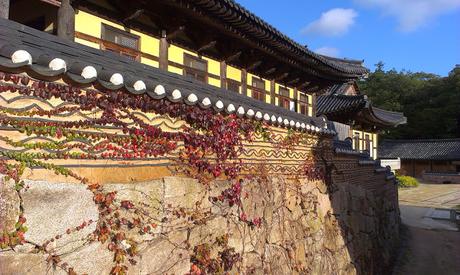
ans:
(237, 17)
(396, 118)
(338, 89)
(335, 105)
(329, 104)
(423, 149)
(23, 49)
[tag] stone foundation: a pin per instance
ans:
(309, 227)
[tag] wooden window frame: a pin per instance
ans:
(117, 48)
(367, 142)
(357, 141)
(234, 82)
(282, 99)
(258, 91)
(194, 70)
(304, 104)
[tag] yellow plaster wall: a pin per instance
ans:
(233, 73)
(375, 140)
(360, 134)
(360, 146)
(213, 68)
(176, 54)
(266, 86)
(91, 25)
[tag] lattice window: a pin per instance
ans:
(121, 42)
(284, 99)
(196, 67)
(233, 85)
(303, 104)
(258, 91)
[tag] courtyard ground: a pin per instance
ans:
(429, 245)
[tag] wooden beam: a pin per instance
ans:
(272, 91)
(303, 85)
(233, 57)
(55, 3)
(207, 46)
(66, 21)
(244, 82)
(270, 71)
(175, 33)
(223, 74)
(163, 54)
(296, 99)
(313, 104)
(133, 15)
(281, 77)
(294, 81)
(254, 65)
(4, 8)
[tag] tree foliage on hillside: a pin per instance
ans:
(431, 103)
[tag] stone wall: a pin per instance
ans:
(441, 177)
(347, 226)
(106, 182)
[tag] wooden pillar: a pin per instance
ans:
(66, 21)
(223, 74)
(4, 8)
(164, 45)
(244, 82)
(313, 105)
(272, 91)
(296, 100)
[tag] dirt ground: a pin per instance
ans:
(429, 247)
(429, 252)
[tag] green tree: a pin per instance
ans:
(431, 103)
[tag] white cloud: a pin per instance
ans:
(335, 22)
(412, 14)
(329, 51)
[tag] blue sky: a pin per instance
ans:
(416, 35)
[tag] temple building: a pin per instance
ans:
(184, 137)
(221, 44)
(353, 117)
(434, 160)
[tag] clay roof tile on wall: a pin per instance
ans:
(422, 149)
(24, 49)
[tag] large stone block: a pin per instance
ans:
(163, 256)
(9, 205)
(52, 208)
(12, 263)
(184, 192)
(93, 258)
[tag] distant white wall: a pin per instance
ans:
(395, 164)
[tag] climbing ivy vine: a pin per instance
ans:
(207, 147)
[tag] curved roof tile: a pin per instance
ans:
(34, 50)
(257, 27)
(420, 149)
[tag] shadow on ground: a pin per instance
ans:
(428, 246)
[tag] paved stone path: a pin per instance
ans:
(429, 246)
(431, 195)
